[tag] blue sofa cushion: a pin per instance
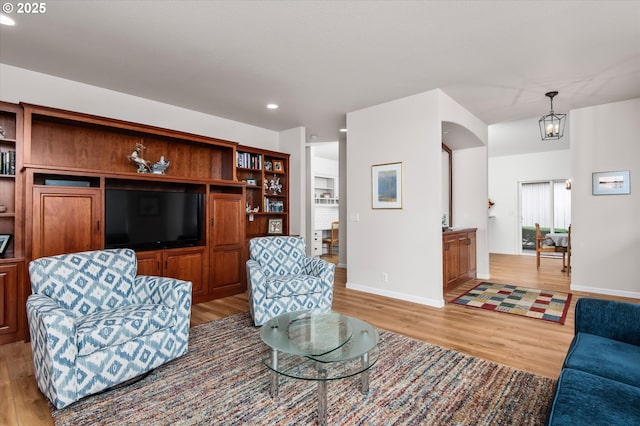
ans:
(605, 357)
(110, 328)
(293, 285)
(586, 399)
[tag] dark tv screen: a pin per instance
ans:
(152, 219)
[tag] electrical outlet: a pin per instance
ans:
(385, 277)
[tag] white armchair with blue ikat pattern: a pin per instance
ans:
(283, 279)
(95, 323)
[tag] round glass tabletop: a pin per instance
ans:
(317, 345)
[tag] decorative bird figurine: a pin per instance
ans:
(135, 157)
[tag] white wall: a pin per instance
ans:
(326, 167)
(605, 234)
(21, 85)
(505, 172)
(470, 200)
(344, 202)
(523, 137)
(406, 244)
(292, 142)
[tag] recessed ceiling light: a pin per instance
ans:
(272, 106)
(343, 130)
(5, 20)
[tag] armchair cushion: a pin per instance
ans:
(110, 328)
(278, 255)
(87, 282)
(293, 285)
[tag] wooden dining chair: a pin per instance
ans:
(333, 238)
(543, 246)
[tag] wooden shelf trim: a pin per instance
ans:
(71, 116)
(79, 172)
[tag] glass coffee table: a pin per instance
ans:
(319, 346)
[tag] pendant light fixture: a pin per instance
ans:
(552, 124)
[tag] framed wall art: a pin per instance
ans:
(4, 243)
(386, 186)
(611, 183)
(275, 226)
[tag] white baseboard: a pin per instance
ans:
(483, 276)
(395, 295)
(606, 291)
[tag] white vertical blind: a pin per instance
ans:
(536, 204)
(540, 205)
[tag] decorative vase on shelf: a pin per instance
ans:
(160, 167)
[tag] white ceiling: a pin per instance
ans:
(322, 59)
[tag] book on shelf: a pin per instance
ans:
(273, 206)
(8, 163)
(246, 160)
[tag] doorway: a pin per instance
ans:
(547, 203)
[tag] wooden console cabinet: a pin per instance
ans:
(458, 257)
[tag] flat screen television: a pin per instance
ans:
(147, 220)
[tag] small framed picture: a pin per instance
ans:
(275, 226)
(611, 183)
(251, 182)
(268, 166)
(278, 166)
(4, 243)
(386, 186)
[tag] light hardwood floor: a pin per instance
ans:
(523, 343)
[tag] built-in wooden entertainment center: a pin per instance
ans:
(67, 161)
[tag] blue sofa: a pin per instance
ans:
(600, 380)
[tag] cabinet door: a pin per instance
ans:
(8, 299)
(149, 263)
(227, 220)
(451, 259)
(187, 264)
(472, 255)
(463, 256)
(66, 220)
(227, 241)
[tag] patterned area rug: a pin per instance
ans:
(222, 381)
(529, 302)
